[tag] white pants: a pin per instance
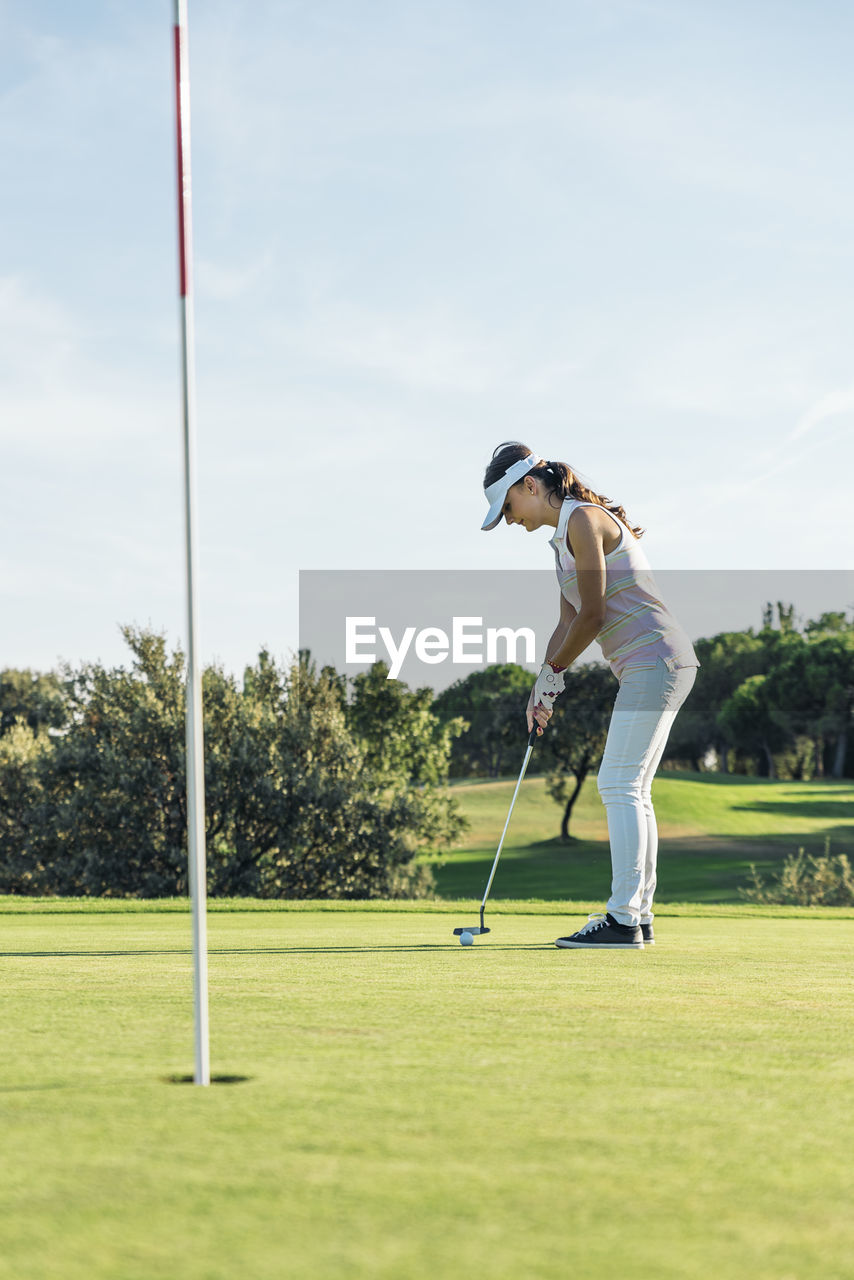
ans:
(643, 715)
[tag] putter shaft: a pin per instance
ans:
(531, 740)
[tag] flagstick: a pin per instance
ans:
(195, 737)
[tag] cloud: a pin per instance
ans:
(830, 405)
(228, 281)
(63, 387)
(38, 342)
(735, 362)
(422, 349)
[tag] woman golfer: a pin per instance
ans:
(607, 594)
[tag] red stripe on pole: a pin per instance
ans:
(183, 194)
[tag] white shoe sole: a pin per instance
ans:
(600, 946)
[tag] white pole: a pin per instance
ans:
(195, 738)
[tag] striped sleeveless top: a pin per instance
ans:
(638, 627)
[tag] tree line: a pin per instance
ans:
(322, 786)
(777, 703)
(315, 786)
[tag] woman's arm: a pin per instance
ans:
(567, 616)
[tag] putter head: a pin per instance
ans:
(470, 928)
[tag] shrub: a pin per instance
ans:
(806, 881)
(299, 802)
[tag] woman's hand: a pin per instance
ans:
(550, 683)
(538, 713)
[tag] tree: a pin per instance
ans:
(347, 829)
(813, 689)
(725, 661)
(398, 729)
(21, 801)
(828, 624)
(574, 740)
(31, 698)
(243, 774)
(492, 704)
(786, 617)
(750, 717)
(296, 805)
(114, 816)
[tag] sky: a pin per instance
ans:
(617, 230)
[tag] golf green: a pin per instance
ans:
(411, 1108)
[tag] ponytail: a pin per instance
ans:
(558, 478)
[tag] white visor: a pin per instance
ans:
(497, 492)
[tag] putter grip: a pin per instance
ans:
(533, 735)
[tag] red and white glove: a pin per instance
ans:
(549, 684)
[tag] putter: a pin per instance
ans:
(482, 928)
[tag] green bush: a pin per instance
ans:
(305, 796)
(806, 881)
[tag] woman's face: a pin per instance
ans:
(524, 505)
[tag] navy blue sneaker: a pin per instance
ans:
(606, 933)
(648, 935)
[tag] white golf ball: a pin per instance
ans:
(466, 939)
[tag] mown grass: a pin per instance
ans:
(711, 827)
(414, 1109)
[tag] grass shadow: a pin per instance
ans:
(30, 1088)
(422, 947)
(813, 809)
(160, 951)
(268, 951)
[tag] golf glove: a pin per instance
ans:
(549, 684)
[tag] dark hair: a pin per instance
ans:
(559, 479)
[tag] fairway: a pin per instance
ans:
(712, 827)
(414, 1109)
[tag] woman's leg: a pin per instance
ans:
(644, 711)
(650, 868)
